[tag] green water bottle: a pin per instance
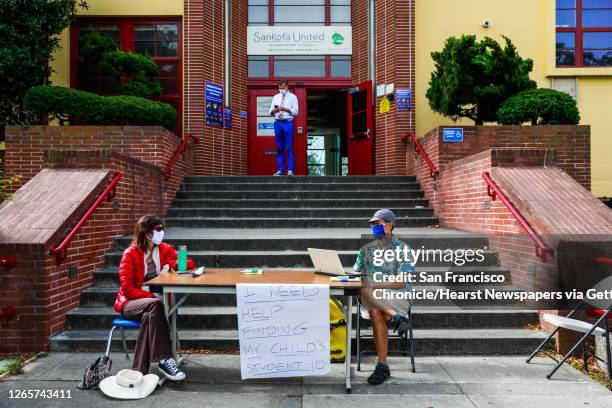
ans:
(182, 258)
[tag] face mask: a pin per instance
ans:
(158, 237)
(378, 230)
(282, 91)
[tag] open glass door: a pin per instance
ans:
(359, 130)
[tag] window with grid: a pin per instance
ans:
(159, 39)
(299, 12)
(584, 33)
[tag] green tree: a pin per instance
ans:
(29, 31)
(133, 72)
(473, 78)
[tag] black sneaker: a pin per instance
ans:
(402, 325)
(380, 374)
(169, 368)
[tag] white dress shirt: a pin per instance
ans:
(287, 100)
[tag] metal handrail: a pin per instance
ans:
(61, 250)
(180, 150)
(433, 171)
(494, 191)
(598, 259)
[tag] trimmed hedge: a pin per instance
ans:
(67, 104)
(539, 106)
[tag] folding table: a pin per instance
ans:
(224, 281)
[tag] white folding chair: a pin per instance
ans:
(605, 305)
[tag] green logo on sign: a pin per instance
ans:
(337, 39)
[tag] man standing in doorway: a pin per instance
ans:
(284, 108)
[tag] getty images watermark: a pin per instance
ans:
(475, 277)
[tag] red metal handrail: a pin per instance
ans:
(8, 261)
(8, 312)
(60, 251)
(180, 150)
(433, 171)
(598, 259)
(493, 191)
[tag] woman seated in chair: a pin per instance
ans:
(143, 260)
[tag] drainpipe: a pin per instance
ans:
(372, 46)
(227, 51)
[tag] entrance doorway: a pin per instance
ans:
(327, 153)
(332, 132)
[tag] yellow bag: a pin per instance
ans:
(337, 333)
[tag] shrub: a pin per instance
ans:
(539, 106)
(473, 78)
(133, 72)
(66, 104)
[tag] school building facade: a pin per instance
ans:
(340, 56)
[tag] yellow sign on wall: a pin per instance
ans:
(385, 105)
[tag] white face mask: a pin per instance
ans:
(282, 91)
(158, 237)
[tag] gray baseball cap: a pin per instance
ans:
(384, 214)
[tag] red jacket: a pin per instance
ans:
(132, 272)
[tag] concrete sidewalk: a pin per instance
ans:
(214, 381)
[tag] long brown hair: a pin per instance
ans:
(143, 227)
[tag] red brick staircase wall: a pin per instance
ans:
(63, 171)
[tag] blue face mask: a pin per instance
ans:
(378, 230)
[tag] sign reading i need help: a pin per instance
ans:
(283, 330)
(453, 135)
(299, 40)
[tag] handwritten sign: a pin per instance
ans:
(283, 330)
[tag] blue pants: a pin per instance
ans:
(283, 131)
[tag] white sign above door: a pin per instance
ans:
(299, 40)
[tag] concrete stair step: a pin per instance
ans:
(427, 342)
(299, 179)
(364, 213)
(210, 201)
(292, 259)
(265, 186)
(267, 240)
(224, 318)
(284, 195)
(291, 222)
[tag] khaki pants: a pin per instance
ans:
(153, 343)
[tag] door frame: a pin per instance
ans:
(300, 89)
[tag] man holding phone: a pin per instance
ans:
(284, 108)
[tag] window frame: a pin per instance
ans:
(127, 42)
(578, 32)
(271, 60)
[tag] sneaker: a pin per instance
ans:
(380, 374)
(402, 325)
(169, 368)
(290, 173)
(278, 173)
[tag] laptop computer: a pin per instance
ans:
(327, 262)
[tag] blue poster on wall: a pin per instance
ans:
(402, 99)
(214, 104)
(227, 118)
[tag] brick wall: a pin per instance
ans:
(223, 151)
(395, 29)
(26, 147)
(571, 147)
(41, 290)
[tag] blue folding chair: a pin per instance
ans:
(122, 324)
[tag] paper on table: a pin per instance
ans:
(283, 330)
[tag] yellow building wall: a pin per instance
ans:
(61, 58)
(531, 27)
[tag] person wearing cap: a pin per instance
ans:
(384, 311)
